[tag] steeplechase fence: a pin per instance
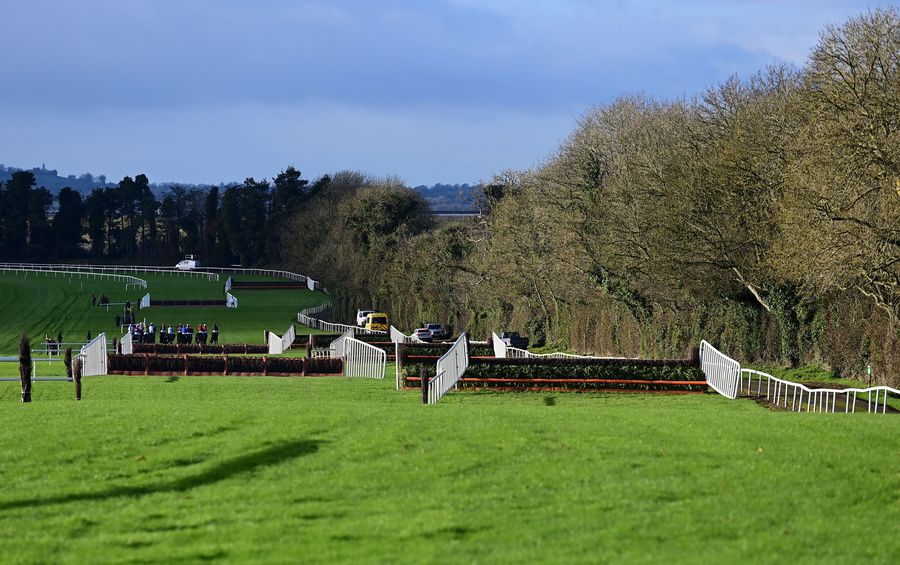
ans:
(450, 368)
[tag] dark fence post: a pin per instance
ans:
(25, 367)
(68, 362)
(424, 381)
(76, 374)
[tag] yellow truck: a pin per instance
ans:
(377, 321)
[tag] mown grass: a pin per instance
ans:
(40, 304)
(327, 469)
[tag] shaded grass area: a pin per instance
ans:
(329, 469)
(41, 304)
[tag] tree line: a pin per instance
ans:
(128, 223)
(762, 214)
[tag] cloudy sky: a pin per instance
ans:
(430, 91)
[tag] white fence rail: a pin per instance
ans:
(516, 353)
(722, 372)
(126, 343)
(314, 285)
(450, 368)
(363, 360)
(399, 337)
(307, 320)
(93, 356)
(99, 269)
(127, 279)
(800, 398)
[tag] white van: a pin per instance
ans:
(362, 316)
(189, 264)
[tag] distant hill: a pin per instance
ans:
(450, 197)
(52, 181)
(441, 197)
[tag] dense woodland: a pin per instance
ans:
(762, 215)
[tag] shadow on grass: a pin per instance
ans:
(226, 469)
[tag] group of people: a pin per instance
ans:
(53, 345)
(182, 333)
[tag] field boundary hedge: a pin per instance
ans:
(224, 365)
(650, 375)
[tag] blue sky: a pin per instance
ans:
(430, 91)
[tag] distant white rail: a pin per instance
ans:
(109, 269)
(127, 279)
(306, 318)
(450, 368)
(783, 393)
(363, 360)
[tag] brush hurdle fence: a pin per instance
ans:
(726, 377)
(450, 368)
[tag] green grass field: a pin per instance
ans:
(41, 304)
(154, 469)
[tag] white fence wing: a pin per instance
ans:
(145, 301)
(287, 340)
(126, 343)
(450, 368)
(228, 284)
(274, 341)
(500, 347)
(93, 356)
(337, 346)
(399, 337)
(722, 372)
(230, 300)
(363, 360)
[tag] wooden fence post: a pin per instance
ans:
(76, 374)
(25, 367)
(424, 381)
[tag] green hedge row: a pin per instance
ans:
(185, 348)
(222, 365)
(574, 369)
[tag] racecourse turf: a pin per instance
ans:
(322, 470)
(38, 304)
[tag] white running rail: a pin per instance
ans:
(722, 372)
(450, 368)
(516, 353)
(784, 393)
(93, 356)
(127, 279)
(99, 269)
(363, 360)
(127, 343)
(305, 317)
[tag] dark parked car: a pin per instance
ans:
(422, 334)
(513, 339)
(437, 331)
